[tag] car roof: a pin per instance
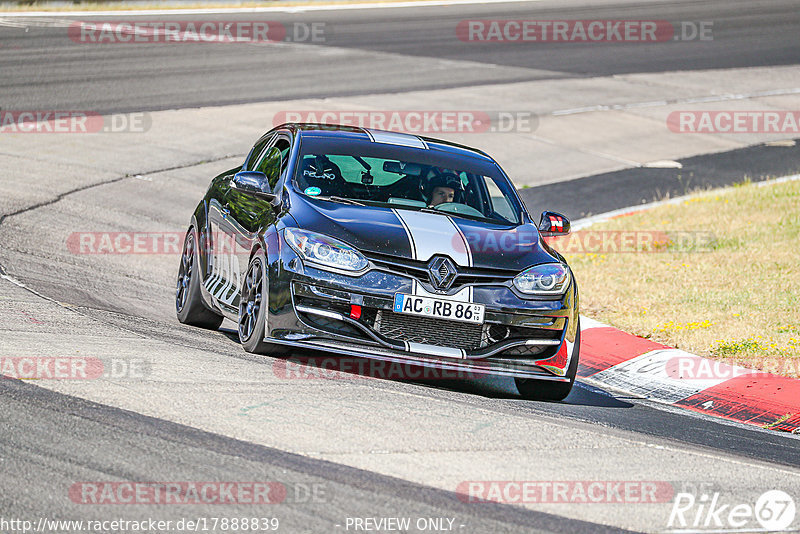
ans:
(382, 136)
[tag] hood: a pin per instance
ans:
(417, 235)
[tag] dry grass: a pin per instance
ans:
(736, 298)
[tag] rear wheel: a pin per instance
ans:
(253, 302)
(544, 390)
(188, 302)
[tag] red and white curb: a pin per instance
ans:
(615, 359)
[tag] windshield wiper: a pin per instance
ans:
(456, 214)
(343, 200)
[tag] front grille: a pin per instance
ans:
(411, 268)
(419, 270)
(440, 332)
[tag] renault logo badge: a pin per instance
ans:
(442, 272)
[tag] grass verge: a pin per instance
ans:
(717, 275)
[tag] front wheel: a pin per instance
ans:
(532, 389)
(253, 302)
(188, 302)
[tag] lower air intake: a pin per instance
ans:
(440, 332)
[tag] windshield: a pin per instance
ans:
(355, 171)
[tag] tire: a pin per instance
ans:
(189, 303)
(544, 390)
(253, 303)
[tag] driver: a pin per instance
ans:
(442, 188)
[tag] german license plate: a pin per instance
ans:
(466, 312)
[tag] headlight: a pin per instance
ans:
(544, 279)
(324, 250)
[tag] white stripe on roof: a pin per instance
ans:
(395, 138)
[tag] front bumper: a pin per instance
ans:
(519, 338)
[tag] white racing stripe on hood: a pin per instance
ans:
(408, 233)
(432, 234)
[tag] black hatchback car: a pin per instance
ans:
(383, 245)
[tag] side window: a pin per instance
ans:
(267, 160)
(498, 201)
(284, 146)
(256, 151)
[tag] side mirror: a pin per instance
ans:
(552, 224)
(253, 183)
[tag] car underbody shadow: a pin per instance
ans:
(311, 364)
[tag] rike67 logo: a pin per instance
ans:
(772, 511)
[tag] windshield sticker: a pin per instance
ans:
(313, 191)
(311, 173)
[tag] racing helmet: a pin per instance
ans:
(442, 178)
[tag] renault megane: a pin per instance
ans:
(383, 245)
